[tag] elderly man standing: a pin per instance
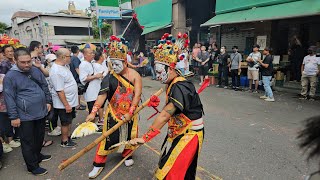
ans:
(28, 101)
(64, 94)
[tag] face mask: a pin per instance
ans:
(222, 50)
(161, 72)
(117, 66)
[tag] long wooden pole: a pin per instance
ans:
(102, 137)
(119, 164)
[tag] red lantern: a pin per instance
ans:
(168, 42)
(166, 35)
(186, 45)
(187, 41)
(185, 35)
(181, 57)
(160, 46)
(179, 35)
(162, 38)
(113, 38)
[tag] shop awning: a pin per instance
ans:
(155, 16)
(280, 11)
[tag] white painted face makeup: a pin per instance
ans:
(161, 72)
(117, 66)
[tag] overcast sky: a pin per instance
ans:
(8, 7)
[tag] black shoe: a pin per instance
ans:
(39, 171)
(68, 144)
(45, 158)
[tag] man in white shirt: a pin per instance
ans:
(309, 70)
(64, 94)
(87, 75)
(253, 68)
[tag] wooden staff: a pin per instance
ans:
(119, 164)
(102, 137)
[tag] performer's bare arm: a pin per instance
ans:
(99, 102)
(137, 92)
(164, 116)
(159, 122)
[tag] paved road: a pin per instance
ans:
(245, 138)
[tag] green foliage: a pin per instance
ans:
(106, 29)
(3, 27)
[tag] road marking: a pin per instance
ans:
(199, 168)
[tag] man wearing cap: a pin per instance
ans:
(122, 87)
(309, 71)
(266, 72)
(183, 112)
(253, 68)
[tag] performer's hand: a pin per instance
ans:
(90, 117)
(15, 123)
(49, 107)
(126, 118)
(136, 141)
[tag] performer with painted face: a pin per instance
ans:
(183, 113)
(122, 87)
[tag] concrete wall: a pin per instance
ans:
(136, 3)
(178, 17)
(48, 34)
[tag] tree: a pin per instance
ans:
(106, 29)
(3, 27)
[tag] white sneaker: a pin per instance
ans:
(270, 99)
(14, 144)
(55, 132)
(6, 148)
(95, 172)
(129, 162)
(263, 97)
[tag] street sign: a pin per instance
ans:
(108, 9)
(100, 21)
(93, 4)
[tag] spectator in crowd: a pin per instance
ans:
(296, 53)
(182, 64)
(318, 49)
(195, 52)
(309, 71)
(8, 132)
(223, 60)
(266, 72)
(74, 68)
(55, 130)
(28, 102)
(151, 64)
(142, 66)
(235, 67)
(253, 68)
(203, 59)
(64, 94)
(96, 83)
(36, 50)
(87, 76)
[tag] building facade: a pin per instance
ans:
(52, 29)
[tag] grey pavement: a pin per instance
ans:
(245, 138)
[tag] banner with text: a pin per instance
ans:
(108, 9)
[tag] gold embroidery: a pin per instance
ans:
(162, 173)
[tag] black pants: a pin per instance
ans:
(54, 120)
(296, 71)
(235, 78)
(90, 105)
(31, 138)
(223, 74)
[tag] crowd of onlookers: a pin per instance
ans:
(38, 87)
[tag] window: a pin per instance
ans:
(29, 32)
(73, 31)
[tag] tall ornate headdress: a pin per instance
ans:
(117, 48)
(168, 51)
